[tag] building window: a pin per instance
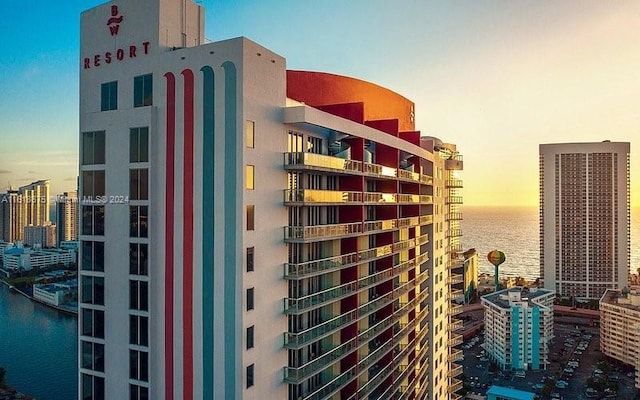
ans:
(138, 392)
(249, 133)
(139, 365)
(93, 323)
(93, 356)
(139, 295)
(93, 290)
(250, 216)
(138, 259)
(138, 224)
(93, 185)
(250, 260)
(93, 146)
(139, 184)
(109, 98)
(250, 331)
(92, 387)
(250, 375)
(250, 183)
(143, 90)
(139, 144)
(139, 330)
(92, 256)
(93, 220)
(250, 293)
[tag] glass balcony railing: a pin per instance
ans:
(320, 161)
(323, 232)
(316, 267)
(338, 197)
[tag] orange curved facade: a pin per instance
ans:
(351, 98)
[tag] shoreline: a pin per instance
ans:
(54, 307)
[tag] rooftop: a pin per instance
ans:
(510, 393)
(517, 294)
(625, 298)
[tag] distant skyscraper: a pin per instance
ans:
(10, 228)
(252, 232)
(40, 235)
(29, 205)
(67, 217)
(584, 217)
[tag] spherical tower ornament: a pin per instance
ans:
(496, 258)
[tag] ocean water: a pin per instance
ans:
(515, 231)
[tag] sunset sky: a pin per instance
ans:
(495, 77)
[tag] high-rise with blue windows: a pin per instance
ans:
(519, 327)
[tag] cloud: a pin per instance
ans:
(5, 171)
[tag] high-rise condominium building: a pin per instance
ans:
(40, 235)
(519, 327)
(252, 232)
(29, 205)
(584, 217)
(620, 327)
(67, 217)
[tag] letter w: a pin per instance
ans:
(114, 29)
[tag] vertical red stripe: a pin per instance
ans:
(168, 238)
(187, 254)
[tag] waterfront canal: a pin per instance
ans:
(37, 348)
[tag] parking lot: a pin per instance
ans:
(575, 362)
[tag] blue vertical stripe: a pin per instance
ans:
(230, 226)
(515, 337)
(208, 224)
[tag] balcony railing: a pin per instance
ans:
(454, 233)
(456, 294)
(454, 248)
(323, 232)
(453, 200)
(455, 309)
(455, 370)
(456, 324)
(455, 355)
(320, 197)
(455, 340)
(454, 183)
(454, 216)
(455, 278)
(456, 384)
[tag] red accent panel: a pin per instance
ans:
(412, 137)
(385, 125)
(351, 111)
(187, 256)
(319, 89)
(169, 231)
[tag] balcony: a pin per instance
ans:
(456, 324)
(454, 233)
(455, 396)
(455, 278)
(453, 200)
(454, 216)
(454, 183)
(455, 355)
(455, 262)
(320, 162)
(455, 309)
(322, 232)
(456, 384)
(455, 340)
(320, 197)
(455, 370)
(456, 294)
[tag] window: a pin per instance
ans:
(139, 295)
(92, 184)
(109, 98)
(250, 211)
(139, 330)
(250, 293)
(143, 90)
(93, 290)
(250, 375)
(250, 251)
(250, 331)
(92, 387)
(139, 365)
(93, 323)
(249, 133)
(139, 184)
(139, 144)
(138, 392)
(93, 356)
(93, 148)
(138, 259)
(138, 221)
(93, 220)
(249, 172)
(92, 256)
